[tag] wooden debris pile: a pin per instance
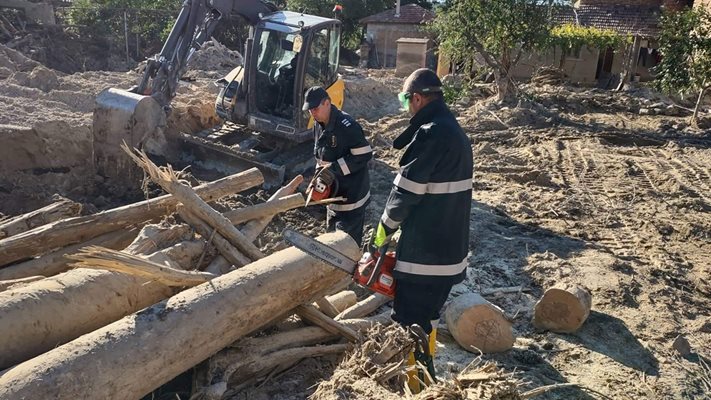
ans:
(158, 287)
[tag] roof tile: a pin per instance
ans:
(409, 14)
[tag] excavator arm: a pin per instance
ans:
(194, 25)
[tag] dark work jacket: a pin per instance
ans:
(431, 198)
(342, 143)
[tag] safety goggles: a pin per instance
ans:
(404, 98)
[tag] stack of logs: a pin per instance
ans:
(110, 305)
(145, 300)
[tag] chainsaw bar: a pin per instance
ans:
(319, 250)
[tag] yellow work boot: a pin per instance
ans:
(420, 366)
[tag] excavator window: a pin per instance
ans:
(322, 64)
(276, 71)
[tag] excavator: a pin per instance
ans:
(260, 101)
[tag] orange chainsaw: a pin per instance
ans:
(372, 271)
(323, 186)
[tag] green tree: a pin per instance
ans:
(353, 11)
(498, 31)
(685, 47)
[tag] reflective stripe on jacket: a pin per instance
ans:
(431, 197)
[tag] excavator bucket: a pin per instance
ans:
(122, 116)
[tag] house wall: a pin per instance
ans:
(579, 68)
(385, 38)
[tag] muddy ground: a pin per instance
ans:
(571, 184)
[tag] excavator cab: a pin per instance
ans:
(288, 53)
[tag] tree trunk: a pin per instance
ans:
(695, 116)
(563, 308)
(56, 262)
(144, 350)
(61, 209)
(80, 229)
(478, 325)
(43, 314)
(168, 180)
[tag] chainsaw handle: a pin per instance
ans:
(378, 264)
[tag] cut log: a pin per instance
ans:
(563, 308)
(64, 208)
(478, 325)
(311, 314)
(12, 282)
(334, 304)
(157, 344)
(56, 262)
(168, 180)
(80, 229)
(364, 307)
(43, 314)
(342, 300)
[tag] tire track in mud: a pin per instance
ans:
(581, 173)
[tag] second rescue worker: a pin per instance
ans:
(342, 154)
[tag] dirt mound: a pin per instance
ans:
(371, 98)
(12, 60)
(213, 60)
(61, 50)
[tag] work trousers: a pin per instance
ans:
(350, 222)
(418, 303)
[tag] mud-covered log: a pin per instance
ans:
(56, 262)
(144, 350)
(80, 229)
(477, 325)
(563, 308)
(64, 208)
(39, 316)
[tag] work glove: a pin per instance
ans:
(382, 236)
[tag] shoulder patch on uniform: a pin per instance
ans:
(346, 122)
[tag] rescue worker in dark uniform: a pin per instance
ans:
(430, 203)
(342, 154)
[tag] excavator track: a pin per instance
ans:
(232, 148)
